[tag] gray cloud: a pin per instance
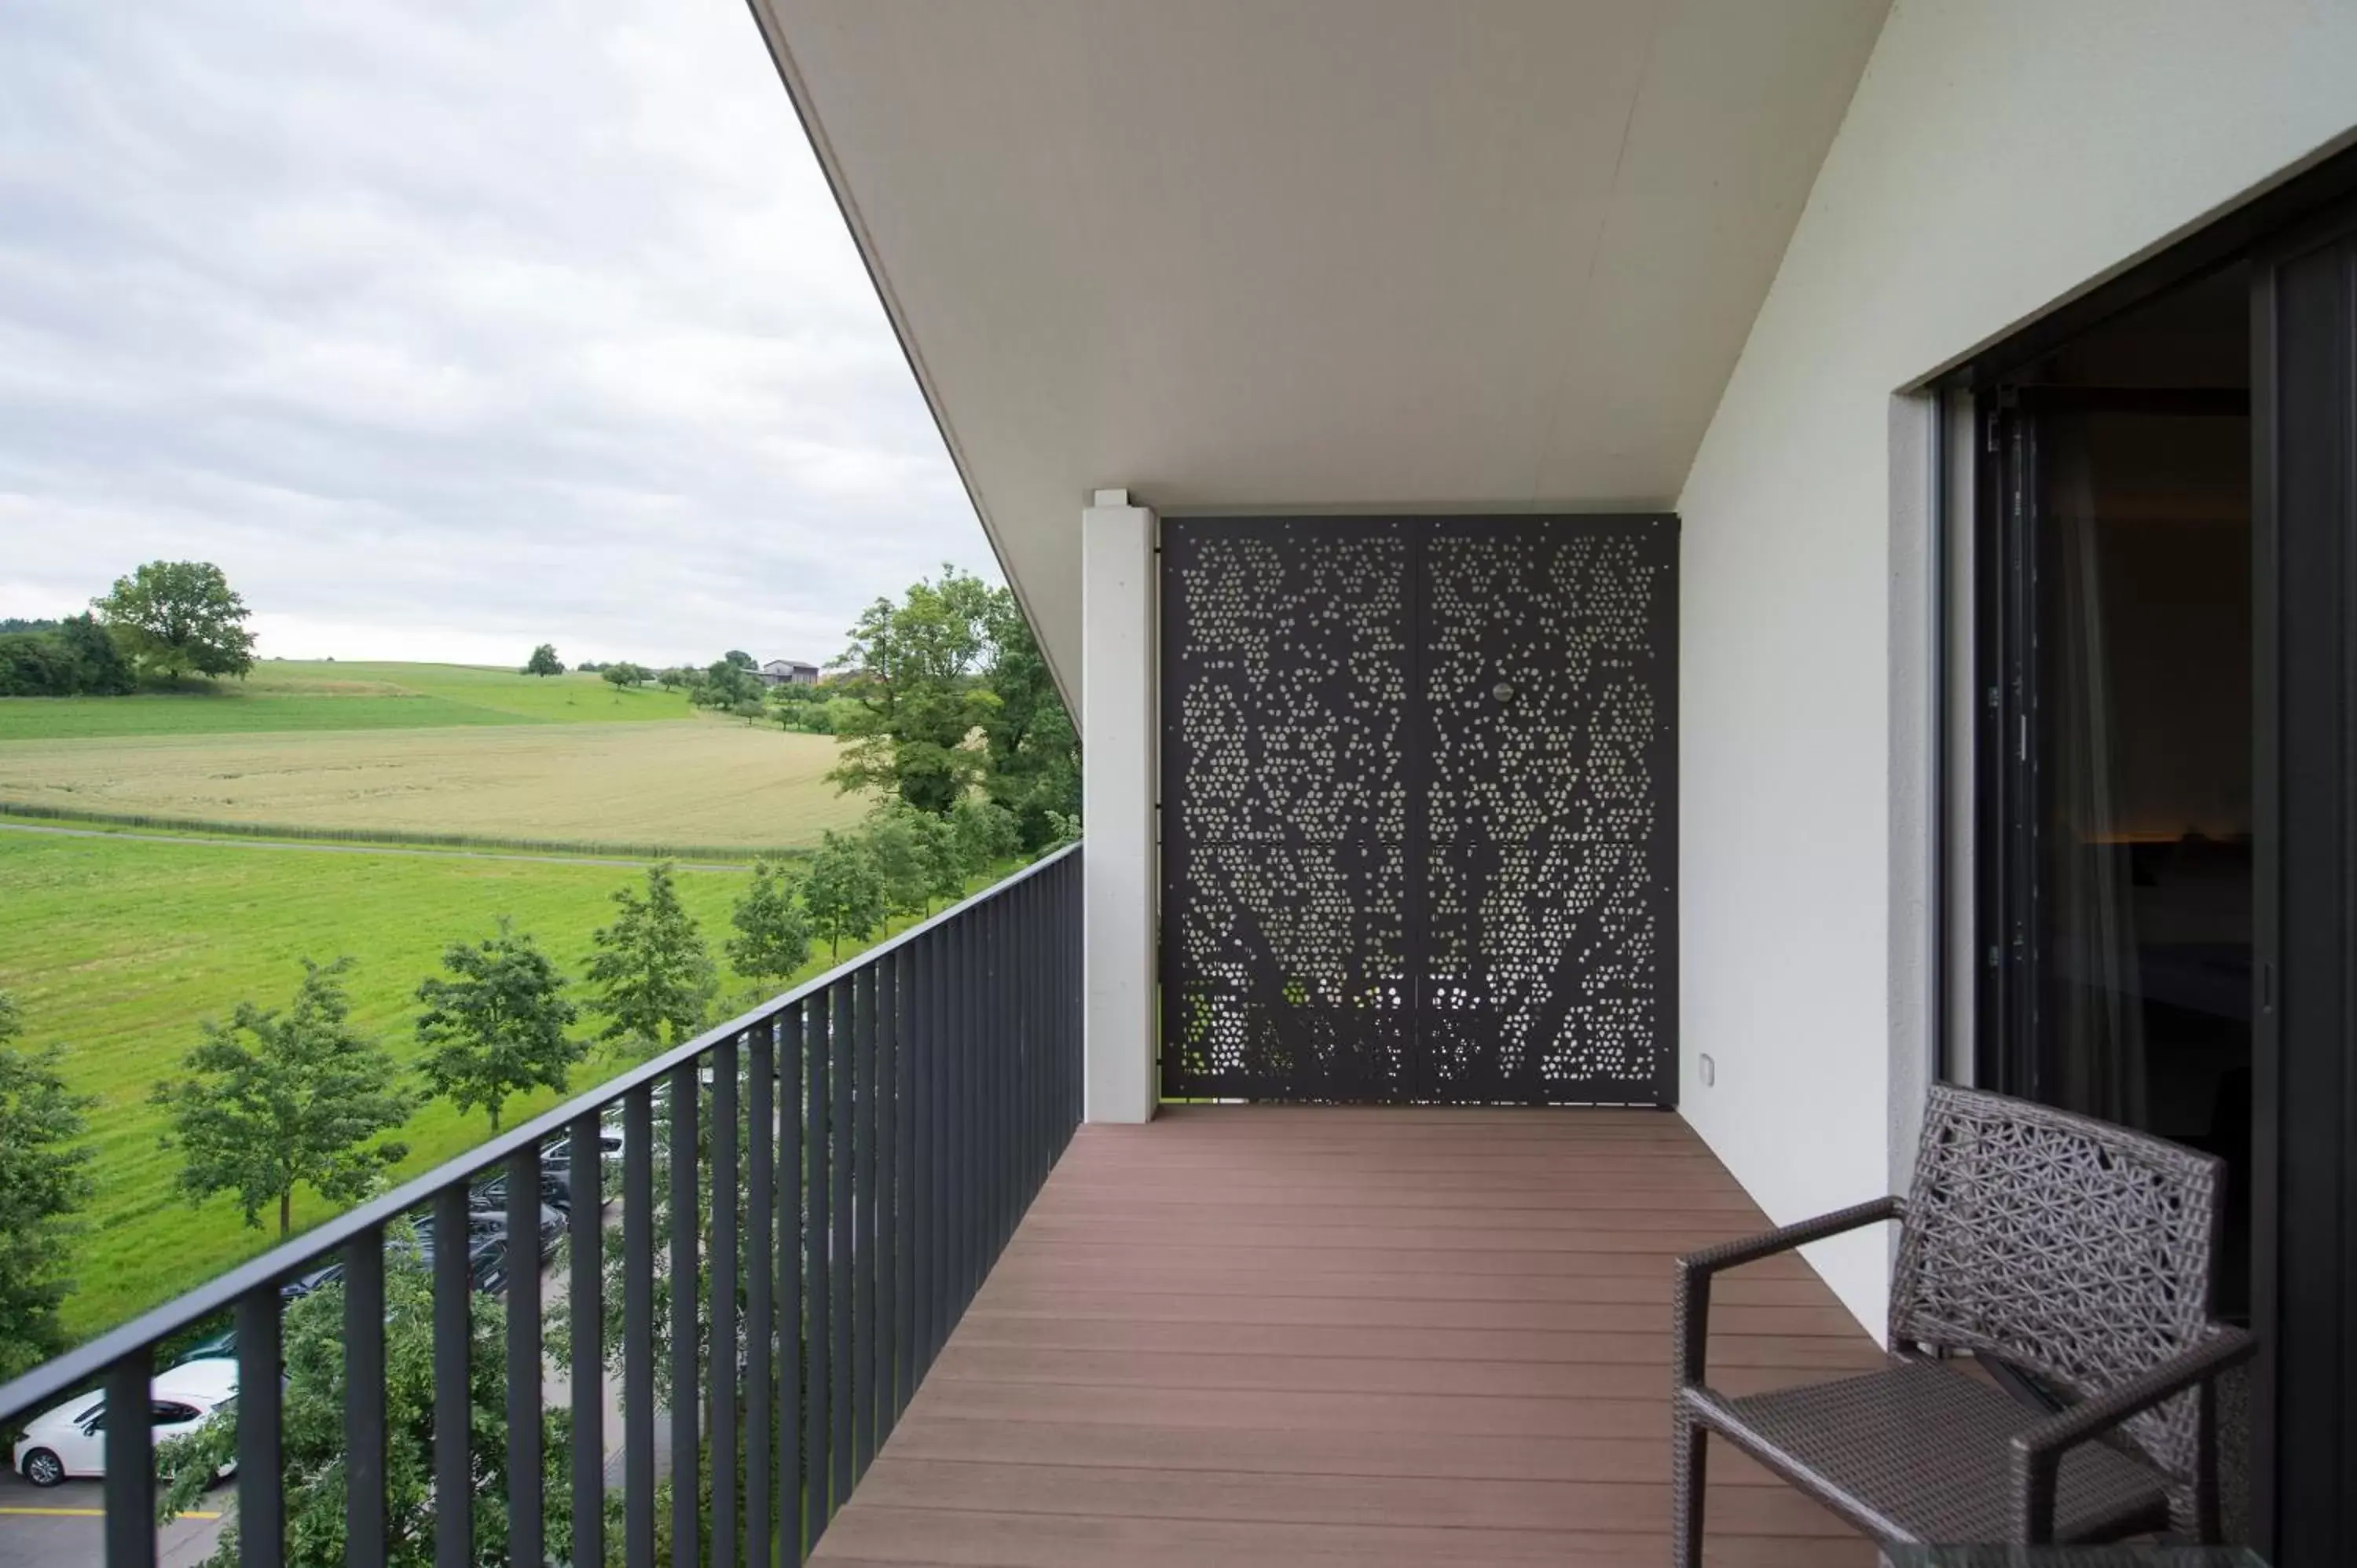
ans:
(445, 329)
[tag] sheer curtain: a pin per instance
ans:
(2097, 1026)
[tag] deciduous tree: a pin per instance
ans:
(653, 977)
(543, 661)
(1032, 753)
(498, 1026)
(726, 683)
(43, 1182)
(844, 893)
(984, 833)
(623, 674)
(897, 847)
(773, 930)
(281, 1100)
(912, 670)
(175, 617)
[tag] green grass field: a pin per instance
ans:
(299, 695)
(118, 947)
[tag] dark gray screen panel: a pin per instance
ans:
(1417, 784)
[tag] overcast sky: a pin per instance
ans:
(446, 328)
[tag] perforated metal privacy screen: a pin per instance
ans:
(1418, 786)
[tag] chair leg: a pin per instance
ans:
(1686, 1476)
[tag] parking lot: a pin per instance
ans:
(60, 1526)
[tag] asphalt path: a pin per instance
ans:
(64, 1526)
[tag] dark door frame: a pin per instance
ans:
(2304, 1427)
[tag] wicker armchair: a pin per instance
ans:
(2074, 1249)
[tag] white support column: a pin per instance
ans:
(1118, 725)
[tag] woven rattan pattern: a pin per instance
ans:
(2072, 1248)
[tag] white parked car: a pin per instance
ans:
(71, 1440)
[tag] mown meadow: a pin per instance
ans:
(118, 944)
(116, 947)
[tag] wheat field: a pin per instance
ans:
(688, 781)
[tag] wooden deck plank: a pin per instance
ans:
(1311, 1335)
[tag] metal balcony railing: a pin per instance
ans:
(865, 1143)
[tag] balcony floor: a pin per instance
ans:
(1277, 1335)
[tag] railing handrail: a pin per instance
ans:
(84, 1364)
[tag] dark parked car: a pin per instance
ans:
(556, 1191)
(487, 1261)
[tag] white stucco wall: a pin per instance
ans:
(2000, 156)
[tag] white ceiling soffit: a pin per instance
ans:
(1381, 253)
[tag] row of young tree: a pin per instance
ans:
(166, 620)
(276, 1099)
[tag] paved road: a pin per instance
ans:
(308, 847)
(61, 1527)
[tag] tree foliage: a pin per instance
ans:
(544, 662)
(653, 977)
(950, 693)
(914, 670)
(498, 1026)
(43, 1182)
(725, 684)
(984, 834)
(314, 1451)
(773, 931)
(1032, 751)
(177, 617)
(77, 657)
(622, 674)
(844, 891)
(281, 1100)
(896, 845)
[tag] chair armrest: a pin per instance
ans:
(2038, 1452)
(1691, 1304)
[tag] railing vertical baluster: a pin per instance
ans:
(760, 1326)
(454, 1402)
(526, 1516)
(261, 1499)
(1027, 962)
(865, 1207)
(787, 1030)
(969, 1172)
(938, 1248)
(721, 1347)
(364, 1517)
(917, 1196)
(638, 1329)
(924, 1058)
(130, 1461)
(685, 1513)
(848, 1261)
(818, 1246)
(1035, 962)
(1002, 1074)
(888, 1201)
(900, 973)
(585, 1301)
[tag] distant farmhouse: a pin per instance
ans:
(789, 672)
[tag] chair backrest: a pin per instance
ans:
(2076, 1249)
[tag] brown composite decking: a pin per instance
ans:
(1245, 1336)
